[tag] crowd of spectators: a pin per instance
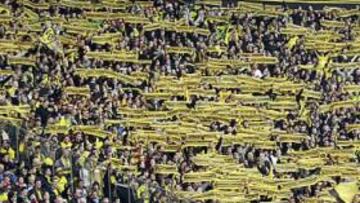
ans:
(74, 167)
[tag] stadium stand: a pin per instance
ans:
(179, 101)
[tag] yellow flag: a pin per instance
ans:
(61, 184)
(347, 191)
(48, 37)
(292, 42)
